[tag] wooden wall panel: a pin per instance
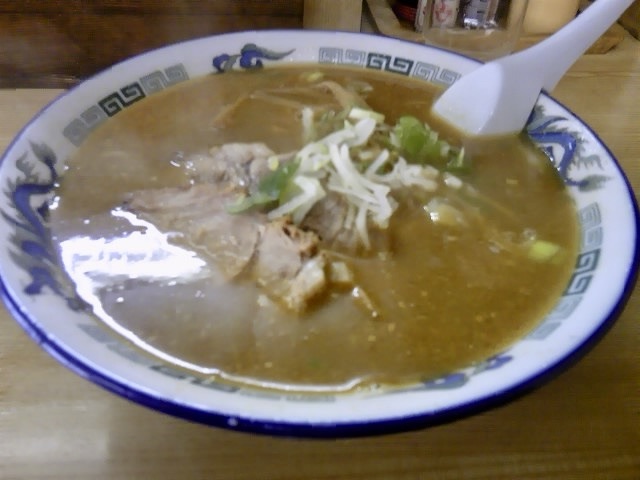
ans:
(57, 43)
(212, 7)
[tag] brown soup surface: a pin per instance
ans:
(446, 296)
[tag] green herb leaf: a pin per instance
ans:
(274, 183)
(248, 202)
(272, 188)
(420, 144)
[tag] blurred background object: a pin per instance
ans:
(406, 10)
(382, 19)
(484, 29)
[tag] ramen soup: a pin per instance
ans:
(307, 228)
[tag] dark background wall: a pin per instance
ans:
(55, 43)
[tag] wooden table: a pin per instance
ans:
(583, 425)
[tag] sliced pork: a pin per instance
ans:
(328, 218)
(239, 164)
(280, 257)
(198, 213)
(288, 265)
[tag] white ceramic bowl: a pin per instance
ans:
(603, 277)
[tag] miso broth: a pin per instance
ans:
(433, 297)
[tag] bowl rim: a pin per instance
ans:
(322, 429)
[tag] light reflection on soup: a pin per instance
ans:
(437, 295)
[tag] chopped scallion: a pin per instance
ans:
(543, 251)
(271, 188)
(420, 144)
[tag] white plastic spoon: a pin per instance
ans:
(498, 97)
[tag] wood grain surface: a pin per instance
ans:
(631, 19)
(331, 15)
(45, 43)
(585, 424)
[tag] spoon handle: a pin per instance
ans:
(557, 53)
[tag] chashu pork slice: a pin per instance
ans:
(283, 259)
(288, 264)
(198, 214)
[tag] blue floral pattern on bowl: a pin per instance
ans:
(548, 131)
(250, 57)
(33, 248)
